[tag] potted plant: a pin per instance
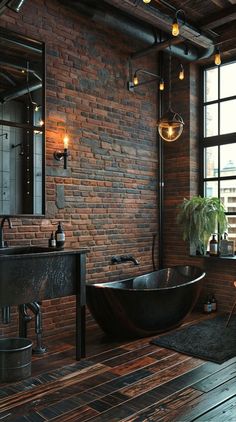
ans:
(199, 218)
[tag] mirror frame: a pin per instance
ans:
(19, 39)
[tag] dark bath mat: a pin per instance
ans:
(209, 339)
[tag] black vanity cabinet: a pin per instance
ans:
(33, 276)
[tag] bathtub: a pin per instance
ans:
(145, 305)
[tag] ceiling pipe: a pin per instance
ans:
(121, 21)
(16, 92)
(14, 5)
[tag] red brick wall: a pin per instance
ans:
(109, 190)
(181, 160)
(110, 187)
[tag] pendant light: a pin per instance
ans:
(217, 57)
(171, 124)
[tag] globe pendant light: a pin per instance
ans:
(171, 123)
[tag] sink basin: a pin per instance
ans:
(20, 250)
(34, 273)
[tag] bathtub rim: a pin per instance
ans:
(110, 284)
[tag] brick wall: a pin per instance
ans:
(107, 199)
(181, 181)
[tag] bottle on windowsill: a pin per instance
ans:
(224, 245)
(60, 236)
(213, 246)
(207, 305)
(213, 303)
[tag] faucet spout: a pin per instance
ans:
(2, 241)
(124, 258)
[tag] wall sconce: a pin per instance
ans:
(217, 58)
(135, 82)
(58, 155)
(175, 23)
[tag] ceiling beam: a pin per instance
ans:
(220, 18)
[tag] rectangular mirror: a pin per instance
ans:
(22, 128)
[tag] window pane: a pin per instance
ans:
(211, 162)
(227, 117)
(211, 120)
(211, 85)
(227, 80)
(228, 160)
(232, 229)
(228, 194)
(211, 189)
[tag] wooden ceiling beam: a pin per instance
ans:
(219, 18)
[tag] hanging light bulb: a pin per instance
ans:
(175, 24)
(135, 80)
(171, 124)
(175, 27)
(217, 57)
(147, 1)
(161, 85)
(181, 72)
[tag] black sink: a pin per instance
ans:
(33, 273)
(21, 250)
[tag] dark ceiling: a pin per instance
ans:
(205, 24)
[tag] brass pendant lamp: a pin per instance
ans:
(171, 124)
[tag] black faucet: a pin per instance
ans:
(2, 242)
(124, 258)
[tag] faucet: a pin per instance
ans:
(2, 242)
(124, 258)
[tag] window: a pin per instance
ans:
(219, 138)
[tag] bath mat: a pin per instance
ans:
(209, 339)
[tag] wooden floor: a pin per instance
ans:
(131, 381)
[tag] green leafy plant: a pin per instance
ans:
(201, 217)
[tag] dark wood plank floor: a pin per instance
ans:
(128, 381)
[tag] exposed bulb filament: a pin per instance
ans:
(66, 141)
(135, 80)
(175, 28)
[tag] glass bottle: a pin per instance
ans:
(60, 236)
(207, 305)
(213, 246)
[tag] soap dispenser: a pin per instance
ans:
(60, 236)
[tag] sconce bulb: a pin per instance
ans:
(162, 85)
(175, 28)
(217, 58)
(147, 1)
(66, 141)
(181, 73)
(41, 122)
(135, 80)
(36, 108)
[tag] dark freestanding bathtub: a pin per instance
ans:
(147, 304)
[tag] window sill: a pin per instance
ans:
(214, 257)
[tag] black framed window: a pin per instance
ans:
(218, 150)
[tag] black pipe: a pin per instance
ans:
(35, 308)
(160, 170)
(121, 21)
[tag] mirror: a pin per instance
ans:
(22, 132)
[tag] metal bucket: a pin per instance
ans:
(15, 358)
